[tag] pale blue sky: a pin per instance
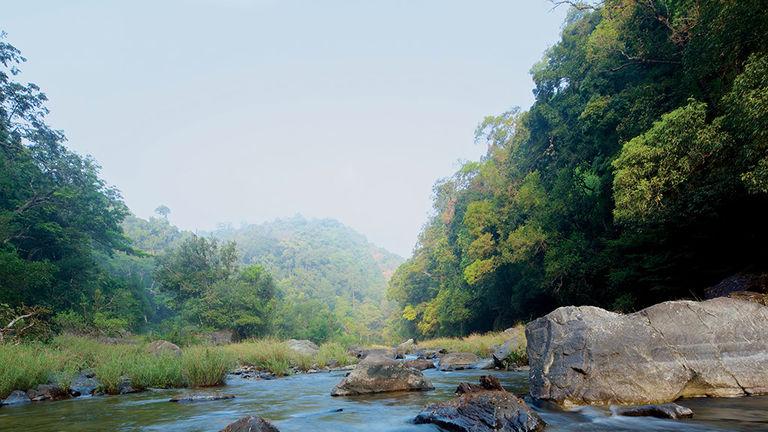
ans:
(238, 110)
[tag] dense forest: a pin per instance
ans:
(639, 174)
(73, 258)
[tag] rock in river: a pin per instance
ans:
(585, 355)
(458, 361)
(668, 410)
(47, 392)
(487, 407)
(16, 397)
(420, 364)
(201, 397)
(378, 374)
(250, 424)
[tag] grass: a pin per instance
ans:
(483, 345)
(25, 366)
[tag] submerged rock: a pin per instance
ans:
(458, 361)
(250, 424)
(47, 392)
(303, 347)
(668, 411)
(419, 364)
(377, 374)
(15, 398)
(201, 397)
(584, 355)
(85, 383)
(163, 347)
(481, 408)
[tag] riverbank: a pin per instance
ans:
(129, 365)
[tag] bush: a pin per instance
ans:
(206, 366)
(265, 354)
(333, 353)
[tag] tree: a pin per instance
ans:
(163, 211)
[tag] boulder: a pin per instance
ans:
(16, 397)
(666, 411)
(362, 353)
(303, 347)
(755, 282)
(406, 347)
(484, 364)
(587, 355)
(487, 407)
(85, 383)
(431, 354)
(221, 337)
(511, 353)
(250, 424)
(377, 374)
(47, 392)
(457, 361)
(159, 347)
(419, 364)
(201, 397)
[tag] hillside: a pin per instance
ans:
(320, 258)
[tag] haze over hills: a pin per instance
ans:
(322, 258)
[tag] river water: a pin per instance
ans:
(303, 403)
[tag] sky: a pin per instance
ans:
(244, 111)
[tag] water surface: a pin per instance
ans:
(303, 403)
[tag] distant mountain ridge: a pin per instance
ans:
(319, 258)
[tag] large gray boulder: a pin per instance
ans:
(482, 408)
(378, 374)
(586, 355)
(303, 347)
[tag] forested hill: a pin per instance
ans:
(320, 258)
(639, 174)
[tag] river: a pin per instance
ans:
(303, 403)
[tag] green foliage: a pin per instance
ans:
(636, 176)
(206, 367)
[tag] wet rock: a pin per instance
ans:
(457, 361)
(15, 398)
(431, 354)
(163, 347)
(484, 364)
(667, 411)
(85, 383)
(303, 347)
(420, 364)
(201, 397)
(377, 374)
(47, 392)
(250, 424)
(480, 408)
(125, 386)
(584, 355)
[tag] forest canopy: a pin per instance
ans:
(638, 175)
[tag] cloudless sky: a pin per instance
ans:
(246, 111)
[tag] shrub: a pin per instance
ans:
(333, 352)
(206, 366)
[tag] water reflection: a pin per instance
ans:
(303, 403)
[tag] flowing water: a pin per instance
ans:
(303, 403)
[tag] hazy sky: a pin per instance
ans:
(245, 111)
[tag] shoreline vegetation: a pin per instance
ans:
(26, 365)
